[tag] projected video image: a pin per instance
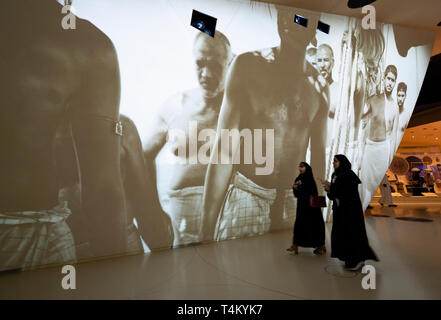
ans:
(134, 131)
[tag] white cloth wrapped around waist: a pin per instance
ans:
(184, 206)
(246, 209)
(243, 183)
(35, 238)
(57, 214)
(374, 166)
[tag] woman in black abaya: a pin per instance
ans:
(349, 241)
(309, 228)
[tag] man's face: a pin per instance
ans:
(325, 62)
(292, 34)
(401, 97)
(211, 66)
(389, 83)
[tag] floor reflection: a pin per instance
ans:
(258, 268)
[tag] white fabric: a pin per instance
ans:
(35, 238)
(246, 210)
(373, 167)
(184, 206)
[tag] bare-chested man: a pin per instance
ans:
(405, 114)
(274, 89)
(48, 74)
(176, 128)
(325, 64)
(382, 119)
(152, 223)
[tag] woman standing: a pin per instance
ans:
(309, 228)
(349, 241)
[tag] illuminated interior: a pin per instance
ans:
(418, 154)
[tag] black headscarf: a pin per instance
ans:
(345, 164)
(308, 178)
(345, 168)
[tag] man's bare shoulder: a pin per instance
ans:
(93, 43)
(172, 106)
(250, 66)
(257, 57)
(96, 67)
(126, 120)
(394, 105)
(194, 94)
(266, 55)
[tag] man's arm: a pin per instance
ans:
(94, 108)
(394, 137)
(368, 112)
(218, 175)
(333, 101)
(153, 143)
(366, 116)
(154, 225)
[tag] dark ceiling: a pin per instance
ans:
(430, 94)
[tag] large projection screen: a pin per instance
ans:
(135, 131)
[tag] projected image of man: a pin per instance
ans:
(49, 75)
(272, 89)
(325, 65)
(382, 120)
(405, 114)
(172, 130)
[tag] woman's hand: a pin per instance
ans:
(326, 185)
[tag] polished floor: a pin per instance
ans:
(258, 268)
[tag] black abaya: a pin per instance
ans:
(309, 228)
(349, 240)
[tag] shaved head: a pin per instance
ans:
(212, 58)
(219, 40)
(325, 61)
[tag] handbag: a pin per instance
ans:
(317, 201)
